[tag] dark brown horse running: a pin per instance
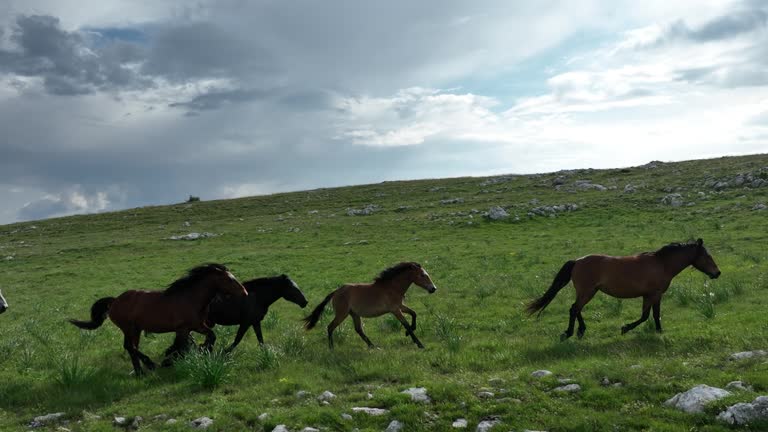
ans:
(384, 295)
(646, 275)
(180, 308)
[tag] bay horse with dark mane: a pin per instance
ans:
(233, 310)
(384, 295)
(646, 275)
(180, 308)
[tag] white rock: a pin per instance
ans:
(738, 386)
(570, 388)
(193, 236)
(120, 421)
(541, 373)
(171, 421)
(394, 426)
(301, 394)
(486, 425)
(674, 200)
(694, 400)
(418, 394)
(485, 395)
(369, 396)
(46, 419)
(370, 411)
(280, 428)
(496, 382)
(497, 213)
(759, 206)
(346, 416)
(748, 355)
(459, 423)
(201, 423)
(310, 429)
(326, 396)
(564, 380)
(263, 417)
(745, 413)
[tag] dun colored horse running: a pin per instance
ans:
(180, 308)
(384, 295)
(646, 275)
(3, 303)
(233, 310)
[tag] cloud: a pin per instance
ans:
(72, 201)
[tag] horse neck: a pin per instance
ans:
(400, 283)
(679, 261)
(271, 294)
(203, 293)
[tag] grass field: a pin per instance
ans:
(474, 327)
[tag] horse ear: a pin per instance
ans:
(699, 242)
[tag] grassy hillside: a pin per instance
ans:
(474, 327)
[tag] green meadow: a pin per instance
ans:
(476, 333)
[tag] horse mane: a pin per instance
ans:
(671, 248)
(392, 272)
(258, 282)
(193, 276)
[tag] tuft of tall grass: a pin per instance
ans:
(271, 321)
(446, 330)
(705, 304)
(294, 343)
(207, 369)
(267, 358)
(70, 373)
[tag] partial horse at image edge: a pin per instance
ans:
(646, 275)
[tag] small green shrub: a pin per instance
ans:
(205, 369)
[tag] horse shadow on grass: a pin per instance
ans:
(639, 345)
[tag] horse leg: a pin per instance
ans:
(240, 333)
(571, 322)
(341, 315)
(582, 326)
(401, 318)
(181, 344)
(646, 311)
(412, 313)
(128, 345)
(210, 337)
(143, 357)
(257, 329)
(359, 329)
(657, 315)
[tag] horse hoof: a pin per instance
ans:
(420, 346)
(624, 330)
(564, 337)
(580, 335)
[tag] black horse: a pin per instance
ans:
(4, 303)
(231, 310)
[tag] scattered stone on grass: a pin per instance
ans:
(193, 236)
(394, 426)
(459, 423)
(310, 429)
(47, 419)
(584, 185)
(485, 394)
(365, 211)
(326, 396)
(487, 424)
(759, 207)
(541, 373)
(280, 428)
(452, 201)
(263, 416)
(201, 423)
(497, 213)
(302, 394)
(496, 382)
(673, 200)
(694, 400)
(745, 413)
(171, 421)
(569, 388)
(370, 411)
(748, 355)
(418, 394)
(346, 416)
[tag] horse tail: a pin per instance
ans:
(561, 280)
(311, 320)
(99, 312)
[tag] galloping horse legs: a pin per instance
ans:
(657, 315)
(402, 319)
(210, 337)
(647, 303)
(412, 313)
(181, 344)
(359, 329)
(571, 322)
(131, 344)
(128, 345)
(257, 329)
(240, 333)
(337, 320)
(575, 313)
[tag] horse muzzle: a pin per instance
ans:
(304, 304)
(714, 275)
(432, 289)
(3, 308)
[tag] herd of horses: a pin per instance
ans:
(210, 294)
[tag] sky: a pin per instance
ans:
(112, 104)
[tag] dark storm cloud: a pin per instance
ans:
(66, 62)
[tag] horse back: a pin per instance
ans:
(153, 311)
(620, 276)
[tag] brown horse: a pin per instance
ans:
(181, 307)
(646, 275)
(384, 295)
